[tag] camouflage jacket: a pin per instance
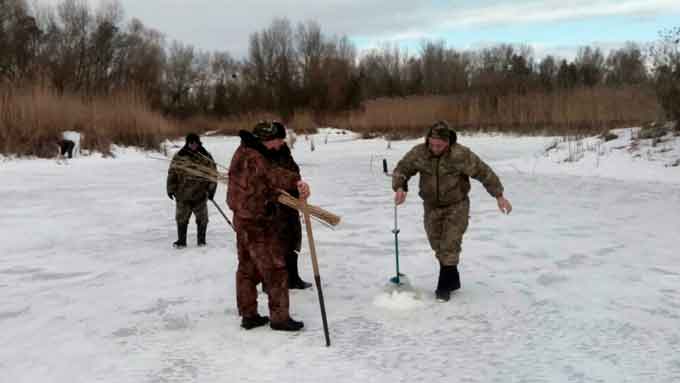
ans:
(288, 219)
(184, 186)
(254, 181)
(444, 179)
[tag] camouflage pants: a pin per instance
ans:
(260, 259)
(445, 227)
(184, 209)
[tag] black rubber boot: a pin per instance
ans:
(287, 325)
(252, 322)
(201, 229)
(454, 278)
(181, 236)
(294, 280)
(449, 280)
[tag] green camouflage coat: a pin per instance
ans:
(445, 179)
(186, 187)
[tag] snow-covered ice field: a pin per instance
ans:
(581, 283)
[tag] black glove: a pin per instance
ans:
(171, 195)
(211, 195)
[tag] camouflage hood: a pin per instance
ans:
(255, 179)
(443, 131)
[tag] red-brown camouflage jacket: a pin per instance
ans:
(254, 182)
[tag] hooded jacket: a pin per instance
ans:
(185, 187)
(444, 179)
(255, 181)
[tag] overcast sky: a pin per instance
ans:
(550, 26)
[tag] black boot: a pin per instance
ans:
(454, 278)
(287, 325)
(449, 280)
(294, 280)
(442, 293)
(201, 228)
(181, 236)
(252, 322)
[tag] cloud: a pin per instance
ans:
(226, 24)
(525, 13)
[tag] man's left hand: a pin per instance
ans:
(504, 205)
(303, 189)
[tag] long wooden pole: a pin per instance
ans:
(223, 215)
(315, 266)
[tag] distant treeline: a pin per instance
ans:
(72, 49)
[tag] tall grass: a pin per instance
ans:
(578, 111)
(32, 119)
(303, 121)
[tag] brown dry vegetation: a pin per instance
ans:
(578, 111)
(71, 67)
(301, 122)
(32, 119)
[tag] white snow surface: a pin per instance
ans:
(581, 283)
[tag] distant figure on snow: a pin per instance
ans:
(191, 193)
(66, 148)
(445, 169)
(290, 138)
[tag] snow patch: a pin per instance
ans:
(627, 157)
(398, 300)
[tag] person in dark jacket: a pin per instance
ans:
(288, 219)
(191, 193)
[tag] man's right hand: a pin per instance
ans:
(399, 197)
(171, 196)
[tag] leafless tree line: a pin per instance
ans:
(76, 49)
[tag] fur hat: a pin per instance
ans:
(193, 138)
(269, 130)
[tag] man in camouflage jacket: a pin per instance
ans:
(445, 169)
(191, 193)
(254, 186)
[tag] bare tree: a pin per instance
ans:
(19, 41)
(272, 67)
(140, 63)
(626, 66)
(666, 60)
(225, 70)
(547, 72)
(590, 63)
(180, 75)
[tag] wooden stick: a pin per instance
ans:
(315, 266)
(223, 215)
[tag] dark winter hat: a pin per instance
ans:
(442, 131)
(267, 131)
(193, 138)
(280, 129)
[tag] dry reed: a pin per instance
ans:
(314, 211)
(206, 172)
(32, 119)
(575, 111)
